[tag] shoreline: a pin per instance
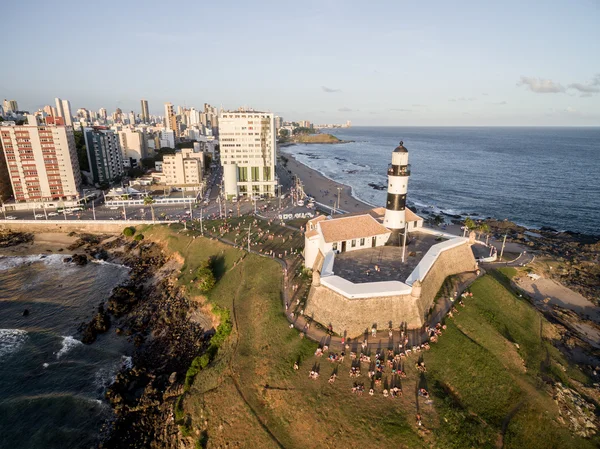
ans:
(324, 189)
(42, 243)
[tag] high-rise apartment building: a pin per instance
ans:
(134, 145)
(10, 106)
(63, 108)
(104, 154)
(171, 119)
(184, 168)
(145, 114)
(41, 160)
(102, 114)
(248, 152)
(49, 110)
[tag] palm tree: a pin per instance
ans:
(149, 201)
(483, 228)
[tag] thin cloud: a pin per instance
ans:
(500, 103)
(345, 109)
(540, 86)
(399, 110)
(462, 99)
(588, 89)
(329, 90)
(417, 105)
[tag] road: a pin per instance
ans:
(211, 208)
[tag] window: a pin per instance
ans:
(266, 173)
(362, 242)
(353, 243)
(255, 173)
(335, 246)
(243, 174)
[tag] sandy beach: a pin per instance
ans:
(44, 242)
(323, 189)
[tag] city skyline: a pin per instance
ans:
(323, 61)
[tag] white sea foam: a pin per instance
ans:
(126, 362)
(8, 262)
(104, 262)
(11, 340)
(68, 343)
(106, 376)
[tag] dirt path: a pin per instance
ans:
(559, 295)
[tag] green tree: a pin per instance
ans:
(205, 278)
(303, 130)
(483, 228)
(469, 223)
(149, 201)
(82, 156)
(139, 237)
(284, 134)
(128, 231)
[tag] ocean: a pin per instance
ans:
(51, 385)
(536, 177)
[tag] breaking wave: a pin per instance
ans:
(8, 262)
(68, 343)
(11, 340)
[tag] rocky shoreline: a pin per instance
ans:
(151, 310)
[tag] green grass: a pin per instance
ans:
(481, 380)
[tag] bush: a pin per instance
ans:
(205, 278)
(139, 237)
(129, 231)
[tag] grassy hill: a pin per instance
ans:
(490, 374)
(316, 138)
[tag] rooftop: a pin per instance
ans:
(348, 228)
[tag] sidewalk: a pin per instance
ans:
(381, 340)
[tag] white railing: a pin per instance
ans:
(85, 222)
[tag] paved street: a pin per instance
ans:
(210, 209)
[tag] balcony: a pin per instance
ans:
(398, 170)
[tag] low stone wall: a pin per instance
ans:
(100, 226)
(453, 261)
(354, 316)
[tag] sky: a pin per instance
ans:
(392, 63)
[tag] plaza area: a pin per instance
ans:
(383, 263)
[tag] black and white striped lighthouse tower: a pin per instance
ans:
(395, 208)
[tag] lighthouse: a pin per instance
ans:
(398, 174)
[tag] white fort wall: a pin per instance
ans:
(353, 308)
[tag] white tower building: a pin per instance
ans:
(395, 207)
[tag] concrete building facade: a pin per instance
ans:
(248, 152)
(184, 169)
(134, 145)
(41, 161)
(10, 106)
(104, 154)
(63, 109)
(145, 117)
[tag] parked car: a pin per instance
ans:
(113, 208)
(11, 217)
(40, 216)
(52, 214)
